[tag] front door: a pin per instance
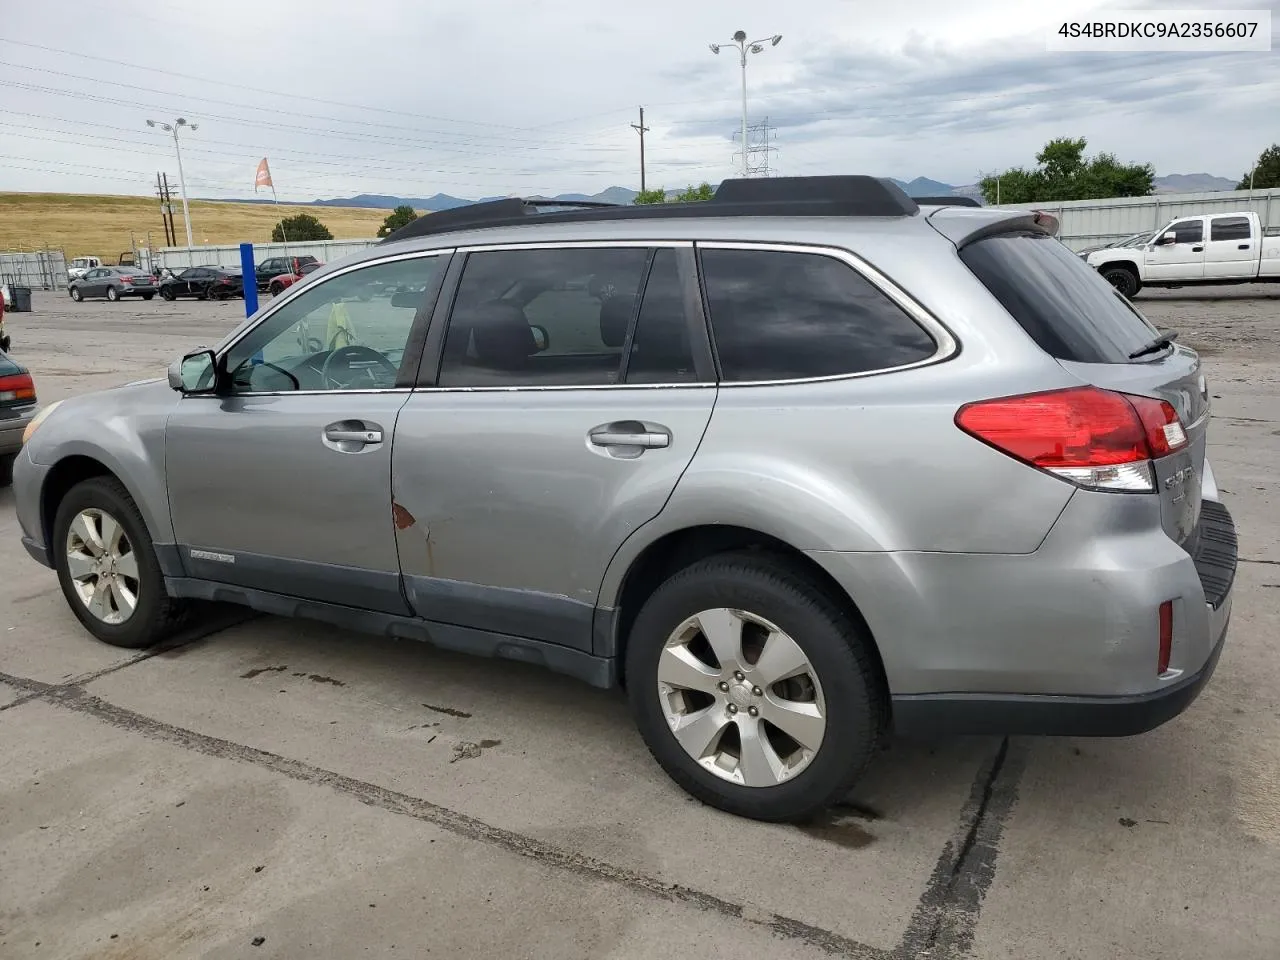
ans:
(1181, 260)
(1232, 250)
(574, 387)
(283, 482)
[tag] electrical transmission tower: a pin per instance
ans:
(760, 138)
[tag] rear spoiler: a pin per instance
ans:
(965, 226)
(946, 201)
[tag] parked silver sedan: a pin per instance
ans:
(114, 283)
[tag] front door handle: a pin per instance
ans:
(1243, 246)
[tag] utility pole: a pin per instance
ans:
(641, 129)
(162, 191)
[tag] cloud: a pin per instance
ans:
(499, 97)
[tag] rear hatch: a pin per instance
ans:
(1101, 338)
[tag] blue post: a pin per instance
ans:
(247, 270)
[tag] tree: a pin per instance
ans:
(399, 217)
(301, 227)
(702, 192)
(1065, 173)
(1266, 173)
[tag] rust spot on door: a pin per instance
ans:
(402, 518)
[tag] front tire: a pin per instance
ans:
(753, 689)
(76, 295)
(6, 468)
(107, 566)
(1125, 281)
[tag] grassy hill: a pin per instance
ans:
(88, 225)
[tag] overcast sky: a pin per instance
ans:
(493, 97)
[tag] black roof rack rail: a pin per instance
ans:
(832, 196)
(947, 201)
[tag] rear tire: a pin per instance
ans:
(147, 296)
(6, 468)
(99, 601)
(112, 294)
(1126, 281)
(837, 685)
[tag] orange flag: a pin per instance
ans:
(263, 178)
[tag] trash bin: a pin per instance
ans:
(20, 300)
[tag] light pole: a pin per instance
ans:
(755, 46)
(182, 180)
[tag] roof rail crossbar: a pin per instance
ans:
(836, 196)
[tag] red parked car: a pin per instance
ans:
(281, 283)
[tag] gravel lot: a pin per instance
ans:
(269, 788)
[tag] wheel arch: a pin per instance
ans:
(678, 549)
(77, 465)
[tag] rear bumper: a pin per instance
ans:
(11, 430)
(929, 715)
(1064, 640)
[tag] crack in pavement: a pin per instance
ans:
(946, 919)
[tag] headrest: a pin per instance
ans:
(502, 336)
(615, 314)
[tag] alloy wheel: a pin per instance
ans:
(741, 697)
(103, 565)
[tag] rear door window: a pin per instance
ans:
(781, 315)
(558, 317)
(1230, 228)
(1063, 304)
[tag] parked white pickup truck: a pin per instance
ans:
(80, 266)
(1218, 249)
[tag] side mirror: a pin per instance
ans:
(1166, 239)
(194, 373)
(541, 339)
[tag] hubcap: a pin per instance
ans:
(103, 566)
(741, 697)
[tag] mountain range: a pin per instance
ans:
(919, 187)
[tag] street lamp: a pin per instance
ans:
(182, 181)
(755, 46)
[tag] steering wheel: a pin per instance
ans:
(342, 359)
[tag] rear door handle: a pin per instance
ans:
(1197, 249)
(346, 433)
(646, 439)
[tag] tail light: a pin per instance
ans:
(17, 387)
(1093, 438)
(126, 279)
(1166, 637)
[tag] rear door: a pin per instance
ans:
(1232, 248)
(1098, 335)
(1181, 260)
(560, 403)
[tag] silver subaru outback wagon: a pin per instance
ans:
(798, 466)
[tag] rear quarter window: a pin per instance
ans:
(779, 315)
(1062, 303)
